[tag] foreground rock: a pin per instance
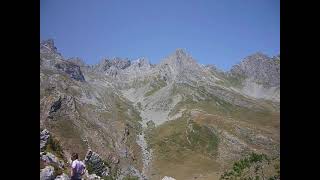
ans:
(93, 177)
(168, 178)
(47, 173)
(96, 164)
(51, 158)
(44, 136)
(62, 177)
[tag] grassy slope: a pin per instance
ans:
(182, 154)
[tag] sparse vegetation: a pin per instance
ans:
(255, 166)
(157, 84)
(202, 138)
(177, 137)
(215, 127)
(131, 178)
(235, 81)
(53, 145)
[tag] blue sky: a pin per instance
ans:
(214, 32)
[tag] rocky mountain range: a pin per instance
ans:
(130, 119)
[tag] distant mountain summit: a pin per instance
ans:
(259, 76)
(260, 68)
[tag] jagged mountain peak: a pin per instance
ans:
(116, 62)
(141, 62)
(78, 61)
(251, 62)
(48, 42)
(257, 55)
(258, 70)
(48, 45)
(179, 59)
(180, 52)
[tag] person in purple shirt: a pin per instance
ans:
(77, 167)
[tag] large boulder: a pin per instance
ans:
(47, 173)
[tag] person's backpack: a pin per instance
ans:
(80, 170)
(83, 168)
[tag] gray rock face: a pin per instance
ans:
(55, 106)
(259, 76)
(47, 46)
(179, 65)
(71, 69)
(62, 105)
(97, 165)
(62, 177)
(44, 136)
(79, 62)
(93, 177)
(48, 50)
(260, 68)
(168, 178)
(120, 63)
(112, 67)
(131, 171)
(47, 173)
(52, 59)
(50, 158)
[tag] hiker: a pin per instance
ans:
(77, 167)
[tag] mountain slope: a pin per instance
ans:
(175, 118)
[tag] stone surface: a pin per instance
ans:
(62, 177)
(50, 158)
(168, 178)
(93, 160)
(47, 173)
(71, 69)
(93, 177)
(44, 136)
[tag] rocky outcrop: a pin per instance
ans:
(71, 69)
(44, 136)
(97, 166)
(61, 106)
(51, 159)
(48, 52)
(47, 173)
(51, 59)
(62, 177)
(112, 67)
(55, 106)
(260, 68)
(93, 177)
(47, 46)
(168, 178)
(258, 76)
(77, 61)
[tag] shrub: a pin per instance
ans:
(255, 162)
(54, 146)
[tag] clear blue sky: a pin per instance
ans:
(213, 32)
